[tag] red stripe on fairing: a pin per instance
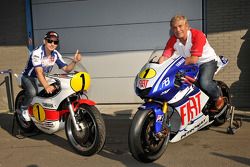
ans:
(30, 110)
(86, 101)
(55, 115)
(52, 115)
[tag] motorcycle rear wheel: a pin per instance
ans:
(91, 138)
(142, 143)
(26, 126)
(226, 94)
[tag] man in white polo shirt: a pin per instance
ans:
(193, 45)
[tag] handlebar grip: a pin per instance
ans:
(190, 79)
(187, 81)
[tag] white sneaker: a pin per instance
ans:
(25, 114)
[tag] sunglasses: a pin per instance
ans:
(55, 42)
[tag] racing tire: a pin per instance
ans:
(142, 144)
(26, 126)
(91, 138)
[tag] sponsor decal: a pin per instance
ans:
(47, 105)
(36, 59)
(159, 118)
(36, 56)
(164, 92)
(180, 62)
(190, 109)
(191, 130)
(142, 83)
(165, 82)
(52, 59)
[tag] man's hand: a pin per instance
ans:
(50, 89)
(191, 60)
(77, 56)
(162, 59)
(39, 73)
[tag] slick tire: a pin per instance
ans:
(26, 126)
(90, 140)
(142, 120)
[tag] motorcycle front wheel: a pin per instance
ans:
(26, 126)
(143, 144)
(91, 138)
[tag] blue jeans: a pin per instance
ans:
(208, 85)
(30, 88)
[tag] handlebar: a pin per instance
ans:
(183, 76)
(190, 79)
(61, 75)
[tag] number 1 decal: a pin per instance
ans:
(83, 81)
(38, 112)
(80, 81)
(147, 73)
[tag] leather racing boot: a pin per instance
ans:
(219, 103)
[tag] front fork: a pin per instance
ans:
(165, 107)
(160, 111)
(72, 114)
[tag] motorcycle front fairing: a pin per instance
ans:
(156, 85)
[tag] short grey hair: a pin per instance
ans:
(177, 18)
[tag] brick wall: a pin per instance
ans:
(228, 23)
(13, 50)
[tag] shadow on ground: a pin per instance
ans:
(236, 158)
(115, 148)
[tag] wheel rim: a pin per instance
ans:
(86, 138)
(150, 143)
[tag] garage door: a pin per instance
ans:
(115, 37)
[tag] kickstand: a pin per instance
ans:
(234, 123)
(13, 123)
(20, 134)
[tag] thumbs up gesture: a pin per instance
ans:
(77, 56)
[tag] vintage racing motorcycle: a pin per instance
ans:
(175, 106)
(68, 107)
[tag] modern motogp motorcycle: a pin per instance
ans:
(174, 106)
(68, 107)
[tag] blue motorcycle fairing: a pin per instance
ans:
(164, 88)
(166, 80)
(186, 98)
(190, 70)
(159, 115)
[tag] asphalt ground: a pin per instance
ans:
(212, 147)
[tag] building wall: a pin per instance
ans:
(13, 50)
(228, 23)
(228, 32)
(116, 37)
